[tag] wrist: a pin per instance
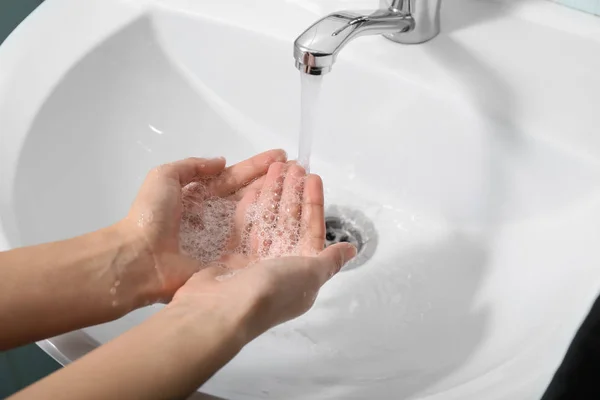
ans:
(228, 324)
(134, 280)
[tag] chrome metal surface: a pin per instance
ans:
(351, 225)
(402, 21)
(425, 13)
(342, 231)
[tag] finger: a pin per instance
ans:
(290, 208)
(241, 174)
(313, 216)
(190, 169)
(267, 208)
(242, 225)
(333, 258)
(255, 185)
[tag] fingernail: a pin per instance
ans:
(299, 171)
(283, 156)
(349, 253)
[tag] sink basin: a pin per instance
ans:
(476, 157)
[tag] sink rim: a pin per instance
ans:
(10, 52)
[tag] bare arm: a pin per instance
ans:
(53, 288)
(209, 320)
(57, 287)
(166, 357)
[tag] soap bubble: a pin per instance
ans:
(271, 224)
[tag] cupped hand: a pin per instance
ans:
(155, 216)
(276, 275)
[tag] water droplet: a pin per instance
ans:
(115, 303)
(143, 146)
(117, 283)
(113, 291)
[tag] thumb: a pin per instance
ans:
(193, 168)
(335, 257)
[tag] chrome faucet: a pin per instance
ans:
(402, 21)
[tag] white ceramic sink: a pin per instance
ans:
(476, 156)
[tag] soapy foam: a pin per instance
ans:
(206, 223)
(270, 227)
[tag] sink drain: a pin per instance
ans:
(340, 231)
(351, 226)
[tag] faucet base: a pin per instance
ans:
(404, 39)
(426, 14)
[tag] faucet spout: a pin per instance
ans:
(316, 49)
(402, 21)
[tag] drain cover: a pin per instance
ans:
(339, 231)
(344, 224)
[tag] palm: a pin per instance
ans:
(159, 215)
(278, 215)
(281, 215)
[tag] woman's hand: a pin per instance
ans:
(254, 286)
(250, 286)
(153, 223)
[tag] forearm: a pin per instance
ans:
(168, 356)
(53, 288)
